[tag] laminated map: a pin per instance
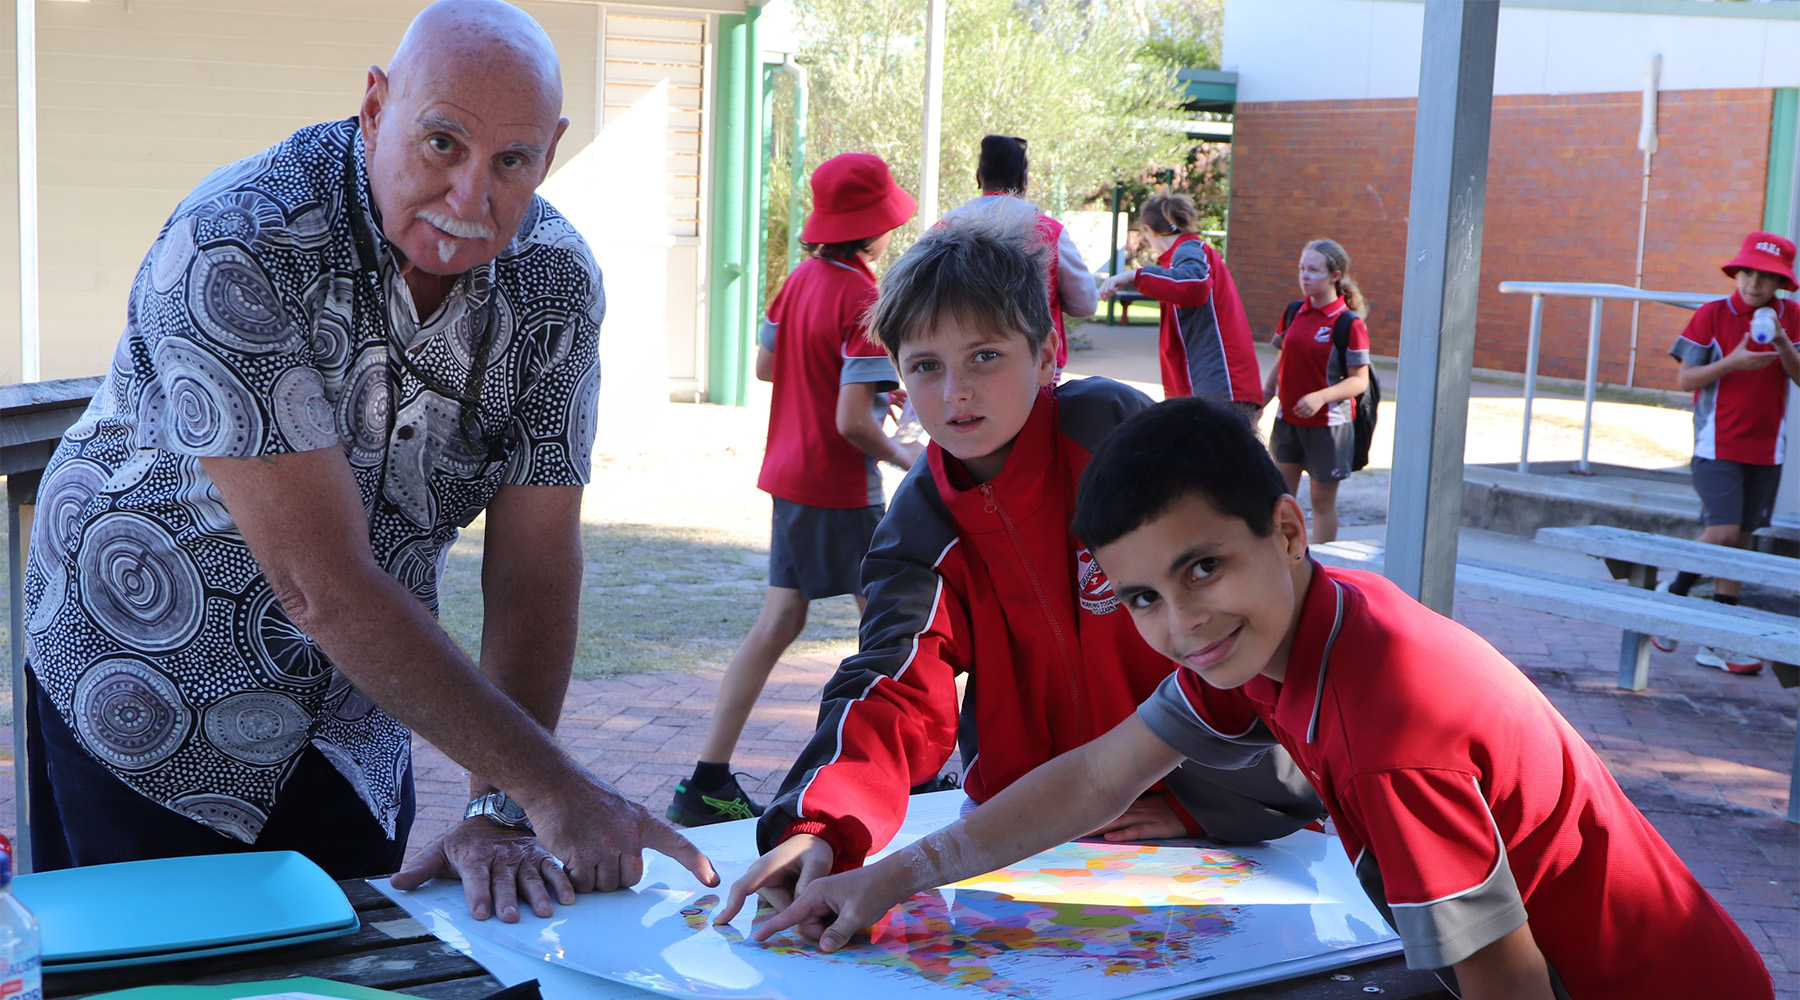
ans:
(1088, 920)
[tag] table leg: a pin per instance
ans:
(1634, 647)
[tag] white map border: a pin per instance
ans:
(532, 948)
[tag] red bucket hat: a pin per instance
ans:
(855, 198)
(1766, 252)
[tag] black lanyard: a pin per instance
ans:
(468, 402)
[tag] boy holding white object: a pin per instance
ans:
(1495, 841)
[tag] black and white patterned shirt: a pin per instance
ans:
(254, 328)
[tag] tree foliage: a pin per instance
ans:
(1071, 76)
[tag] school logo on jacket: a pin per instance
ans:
(1091, 583)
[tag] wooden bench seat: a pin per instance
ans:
(1622, 548)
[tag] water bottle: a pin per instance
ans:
(1762, 330)
(20, 950)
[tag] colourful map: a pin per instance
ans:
(1087, 920)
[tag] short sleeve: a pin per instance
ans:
(1434, 853)
(1216, 728)
(1356, 352)
(1696, 345)
(770, 330)
(557, 412)
(227, 370)
(1281, 326)
(864, 359)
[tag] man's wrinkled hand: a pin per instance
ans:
(601, 837)
(1151, 817)
(497, 866)
(781, 874)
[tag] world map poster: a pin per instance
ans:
(1088, 920)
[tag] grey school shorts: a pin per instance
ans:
(1326, 453)
(819, 550)
(1735, 492)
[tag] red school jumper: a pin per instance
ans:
(814, 327)
(1206, 345)
(1468, 804)
(987, 580)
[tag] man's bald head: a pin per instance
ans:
(491, 39)
(460, 130)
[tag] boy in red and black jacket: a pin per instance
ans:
(974, 570)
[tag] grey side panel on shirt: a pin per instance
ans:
(765, 336)
(1088, 409)
(1241, 788)
(871, 368)
(1443, 932)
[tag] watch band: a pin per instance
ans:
(501, 810)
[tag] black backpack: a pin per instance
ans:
(1368, 405)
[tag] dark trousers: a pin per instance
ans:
(82, 815)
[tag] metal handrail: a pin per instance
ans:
(1599, 292)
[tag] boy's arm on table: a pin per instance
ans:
(888, 717)
(1186, 282)
(858, 422)
(1511, 968)
(1060, 800)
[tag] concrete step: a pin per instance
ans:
(1506, 500)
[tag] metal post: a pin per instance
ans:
(797, 161)
(1592, 381)
(934, 111)
(25, 47)
(725, 359)
(1437, 321)
(1531, 363)
(21, 496)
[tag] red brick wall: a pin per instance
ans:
(1564, 182)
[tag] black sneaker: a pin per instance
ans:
(941, 783)
(703, 806)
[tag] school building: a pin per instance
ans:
(137, 100)
(1322, 146)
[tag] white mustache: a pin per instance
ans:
(455, 226)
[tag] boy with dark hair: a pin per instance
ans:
(1494, 840)
(1740, 386)
(825, 437)
(974, 571)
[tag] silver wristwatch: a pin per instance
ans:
(497, 807)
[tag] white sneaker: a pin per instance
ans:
(1663, 642)
(1730, 662)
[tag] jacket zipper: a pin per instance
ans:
(1075, 688)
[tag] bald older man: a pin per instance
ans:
(338, 352)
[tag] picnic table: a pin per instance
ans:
(392, 951)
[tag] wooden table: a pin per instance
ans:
(393, 951)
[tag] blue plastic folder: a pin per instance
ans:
(171, 909)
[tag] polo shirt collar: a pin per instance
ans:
(1168, 257)
(1338, 305)
(1295, 702)
(854, 265)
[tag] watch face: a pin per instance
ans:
(510, 812)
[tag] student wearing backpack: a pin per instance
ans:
(1323, 368)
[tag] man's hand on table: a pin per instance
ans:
(598, 835)
(781, 874)
(497, 866)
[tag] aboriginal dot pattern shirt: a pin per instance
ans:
(255, 327)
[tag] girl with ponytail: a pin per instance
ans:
(1318, 382)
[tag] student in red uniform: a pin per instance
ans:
(1001, 172)
(1487, 831)
(825, 436)
(974, 571)
(1317, 383)
(1740, 412)
(1206, 345)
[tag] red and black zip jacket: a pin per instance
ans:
(989, 581)
(1206, 346)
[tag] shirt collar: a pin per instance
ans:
(1297, 699)
(854, 265)
(1168, 256)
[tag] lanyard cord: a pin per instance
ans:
(468, 401)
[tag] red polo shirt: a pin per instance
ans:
(1468, 804)
(814, 327)
(1743, 416)
(1309, 362)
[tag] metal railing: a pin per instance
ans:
(1599, 292)
(33, 417)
